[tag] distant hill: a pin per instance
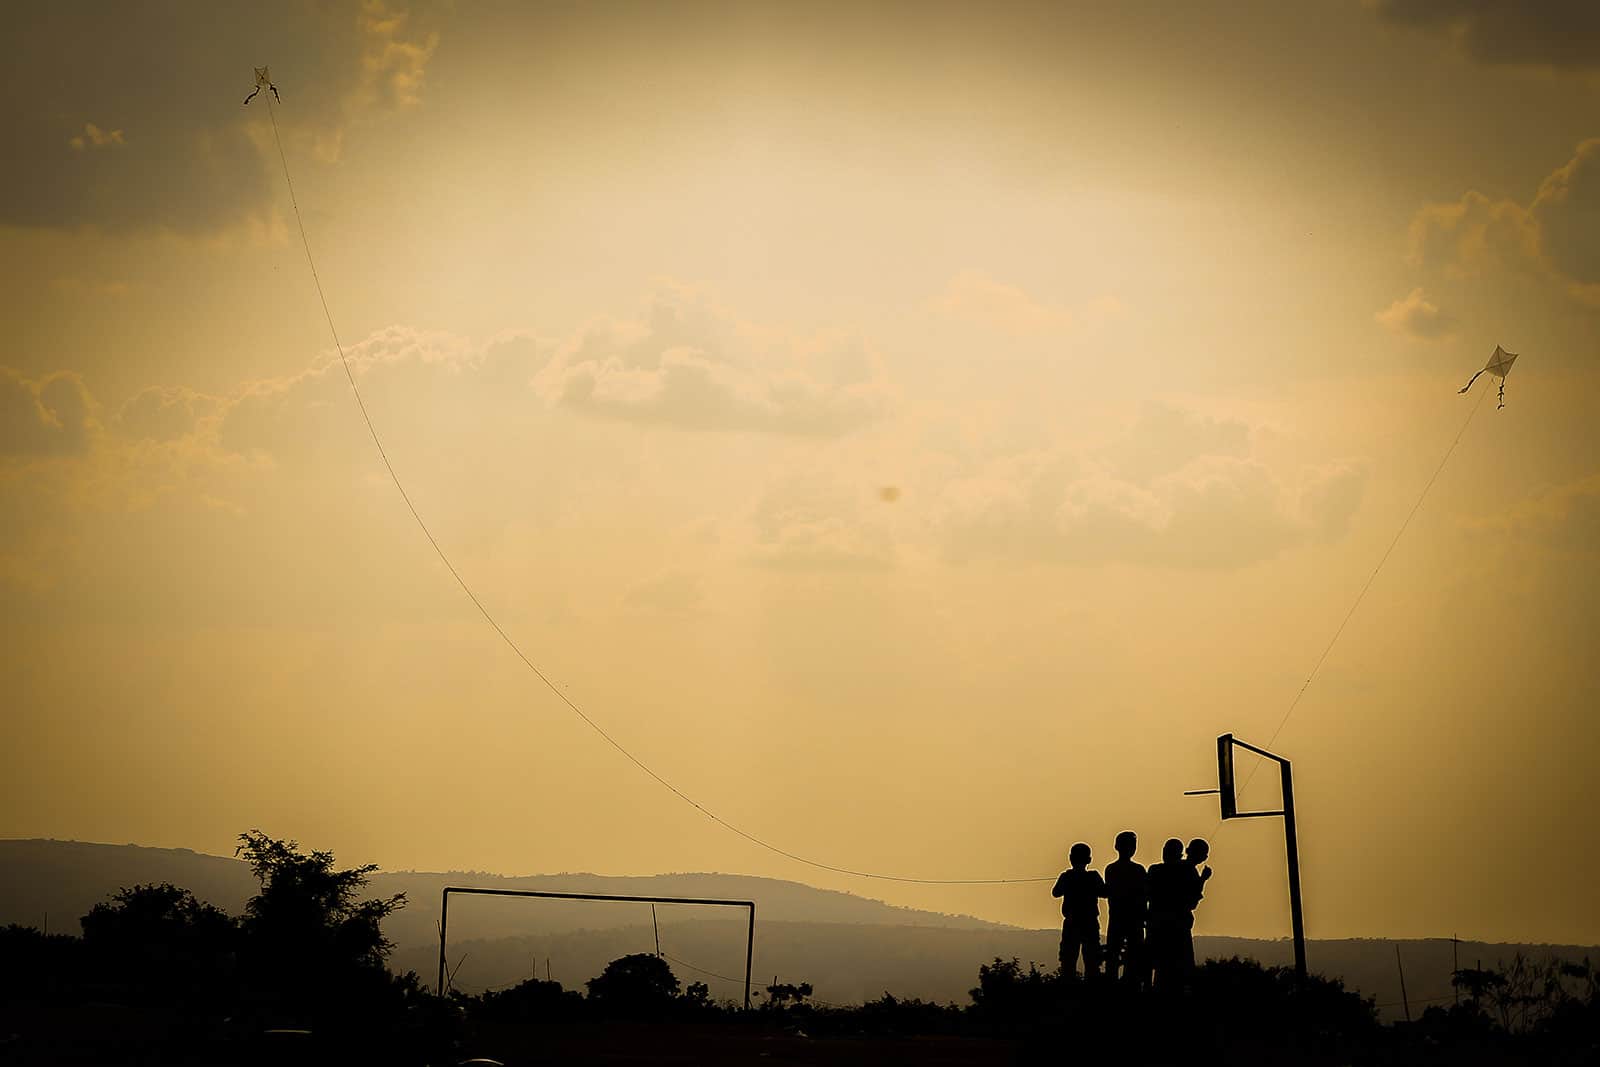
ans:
(850, 948)
(66, 878)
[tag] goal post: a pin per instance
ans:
(715, 902)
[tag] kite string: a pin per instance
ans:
(505, 637)
(1362, 595)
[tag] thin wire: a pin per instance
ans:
(1363, 594)
(490, 619)
(1416, 1000)
(701, 970)
(739, 981)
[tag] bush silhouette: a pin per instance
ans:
(1243, 997)
(1007, 993)
(160, 940)
(36, 963)
(530, 1001)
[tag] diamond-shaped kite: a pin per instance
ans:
(1499, 365)
(263, 81)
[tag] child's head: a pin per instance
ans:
(1199, 850)
(1079, 855)
(1172, 851)
(1127, 844)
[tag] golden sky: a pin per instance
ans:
(1154, 314)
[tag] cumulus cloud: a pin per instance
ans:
(674, 593)
(94, 137)
(1164, 438)
(1563, 518)
(1417, 317)
(974, 298)
(1567, 212)
(165, 413)
(1178, 490)
(811, 525)
(999, 306)
(394, 60)
(1556, 234)
(690, 364)
(49, 416)
(392, 69)
(162, 86)
(1560, 34)
(285, 418)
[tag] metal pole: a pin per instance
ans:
(1292, 848)
(749, 954)
(444, 917)
(1404, 1000)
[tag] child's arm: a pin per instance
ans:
(1060, 887)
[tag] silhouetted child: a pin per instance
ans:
(1195, 877)
(1128, 900)
(1170, 891)
(1080, 890)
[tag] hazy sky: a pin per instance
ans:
(1153, 314)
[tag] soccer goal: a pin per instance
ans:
(714, 902)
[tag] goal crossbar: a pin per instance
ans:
(749, 905)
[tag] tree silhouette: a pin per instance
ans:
(162, 939)
(781, 997)
(640, 984)
(308, 935)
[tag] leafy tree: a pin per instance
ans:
(639, 984)
(1526, 996)
(781, 997)
(308, 934)
(156, 915)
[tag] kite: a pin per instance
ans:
(263, 81)
(1499, 365)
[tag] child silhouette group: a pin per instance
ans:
(1150, 931)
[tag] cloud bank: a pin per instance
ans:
(104, 103)
(1177, 490)
(1555, 34)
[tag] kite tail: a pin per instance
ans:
(1502, 394)
(1470, 380)
(252, 95)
